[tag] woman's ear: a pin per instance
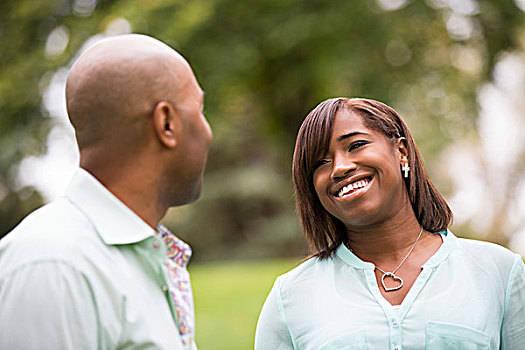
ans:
(401, 146)
(165, 124)
(403, 156)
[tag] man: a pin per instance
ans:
(93, 269)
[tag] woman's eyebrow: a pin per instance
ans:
(350, 134)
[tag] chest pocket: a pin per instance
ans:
(349, 341)
(447, 336)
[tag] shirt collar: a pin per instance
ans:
(176, 249)
(351, 259)
(449, 242)
(113, 220)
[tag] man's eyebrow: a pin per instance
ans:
(350, 134)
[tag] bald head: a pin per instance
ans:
(113, 87)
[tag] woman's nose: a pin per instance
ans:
(342, 165)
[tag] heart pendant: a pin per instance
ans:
(395, 278)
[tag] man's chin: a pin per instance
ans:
(188, 197)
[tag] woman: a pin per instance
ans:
(385, 273)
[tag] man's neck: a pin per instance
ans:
(133, 191)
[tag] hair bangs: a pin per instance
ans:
(316, 132)
(313, 141)
(377, 116)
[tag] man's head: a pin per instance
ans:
(137, 111)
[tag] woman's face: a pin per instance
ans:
(359, 180)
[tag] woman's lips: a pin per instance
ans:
(353, 188)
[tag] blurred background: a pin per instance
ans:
(454, 69)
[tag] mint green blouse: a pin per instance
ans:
(469, 295)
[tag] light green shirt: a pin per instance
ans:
(469, 295)
(85, 272)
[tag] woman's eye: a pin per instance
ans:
(319, 163)
(356, 144)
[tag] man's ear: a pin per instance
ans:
(401, 146)
(165, 123)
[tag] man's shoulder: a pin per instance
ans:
(57, 231)
(53, 222)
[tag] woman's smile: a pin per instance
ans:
(354, 189)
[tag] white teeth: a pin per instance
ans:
(355, 185)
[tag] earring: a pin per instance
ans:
(406, 169)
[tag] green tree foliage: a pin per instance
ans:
(263, 64)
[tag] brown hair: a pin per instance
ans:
(323, 231)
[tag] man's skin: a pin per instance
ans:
(83, 271)
(137, 113)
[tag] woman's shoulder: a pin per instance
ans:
(484, 249)
(488, 256)
(303, 274)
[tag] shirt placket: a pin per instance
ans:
(152, 252)
(395, 317)
(178, 254)
(392, 316)
(396, 335)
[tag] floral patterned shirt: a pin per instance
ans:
(179, 254)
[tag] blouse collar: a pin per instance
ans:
(449, 242)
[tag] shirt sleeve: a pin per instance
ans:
(272, 331)
(513, 327)
(47, 305)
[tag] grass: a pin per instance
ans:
(228, 299)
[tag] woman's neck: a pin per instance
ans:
(388, 241)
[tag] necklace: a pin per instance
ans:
(393, 273)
